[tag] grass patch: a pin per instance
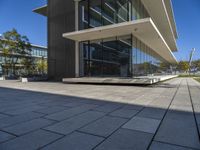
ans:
(197, 79)
(189, 76)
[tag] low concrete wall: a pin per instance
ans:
(144, 80)
(32, 79)
(2, 78)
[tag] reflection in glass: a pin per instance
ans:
(95, 13)
(107, 57)
(118, 56)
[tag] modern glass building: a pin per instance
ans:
(109, 38)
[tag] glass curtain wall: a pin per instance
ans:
(118, 56)
(95, 13)
(145, 60)
(107, 57)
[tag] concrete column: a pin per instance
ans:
(77, 63)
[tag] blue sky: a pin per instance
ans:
(18, 14)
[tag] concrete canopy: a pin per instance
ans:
(162, 14)
(41, 10)
(144, 29)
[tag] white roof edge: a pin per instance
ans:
(38, 46)
(163, 39)
(39, 7)
(172, 16)
(105, 27)
(159, 12)
(169, 21)
(34, 45)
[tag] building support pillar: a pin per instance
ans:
(77, 55)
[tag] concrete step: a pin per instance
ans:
(144, 80)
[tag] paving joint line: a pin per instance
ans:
(83, 132)
(7, 115)
(53, 132)
(68, 117)
(77, 130)
(164, 115)
(17, 136)
(116, 129)
(175, 145)
(62, 136)
(194, 114)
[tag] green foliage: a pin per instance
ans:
(41, 66)
(197, 79)
(183, 66)
(14, 46)
(196, 65)
(27, 63)
(188, 76)
(164, 66)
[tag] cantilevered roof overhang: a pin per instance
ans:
(41, 10)
(144, 29)
(162, 14)
(169, 7)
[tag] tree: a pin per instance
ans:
(5, 53)
(41, 66)
(196, 65)
(183, 66)
(15, 46)
(27, 63)
(164, 66)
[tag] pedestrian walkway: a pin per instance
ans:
(56, 116)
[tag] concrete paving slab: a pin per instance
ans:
(9, 121)
(16, 106)
(3, 116)
(75, 141)
(72, 124)
(28, 126)
(23, 110)
(104, 126)
(179, 130)
(164, 146)
(155, 113)
(108, 107)
(133, 106)
(32, 141)
(73, 104)
(51, 110)
(5, 136)
(70, 112)
(124, 113)
(142, 124)
(125, 139)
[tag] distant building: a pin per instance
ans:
(37, 53)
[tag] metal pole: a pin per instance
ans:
(190, 60)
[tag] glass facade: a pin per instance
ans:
(95, 13)
(124, 56)
(39, 52)
(144, 60)
(107, 57)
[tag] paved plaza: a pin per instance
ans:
(56, 116)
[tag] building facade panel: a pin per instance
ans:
(61, 18)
